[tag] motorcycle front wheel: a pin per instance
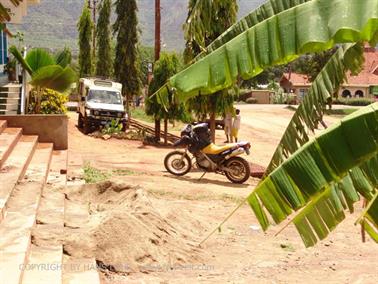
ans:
(178, 163)
(239, 170)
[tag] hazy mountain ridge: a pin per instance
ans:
(53, 23)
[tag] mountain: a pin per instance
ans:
(52, 23)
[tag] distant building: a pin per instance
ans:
(365, 84)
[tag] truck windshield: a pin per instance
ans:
(104, 97)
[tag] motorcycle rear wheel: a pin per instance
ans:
(240, 168)
(176, 164)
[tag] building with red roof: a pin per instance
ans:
(365, 84)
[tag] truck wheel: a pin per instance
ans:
(80, 121)
(86, 126)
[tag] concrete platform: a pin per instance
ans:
(8, 139)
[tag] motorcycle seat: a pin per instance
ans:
(213, 149)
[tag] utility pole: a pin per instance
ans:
(157, 55)
(92, 5)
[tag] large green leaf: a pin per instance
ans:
(38, 58)
(369, 220)
(54, 77)
(311, 110)
(309, 27)
(17, 54)
(309, 177)
(265, 11)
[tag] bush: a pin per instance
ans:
(251, 101)
(52, 102)
(353, 101)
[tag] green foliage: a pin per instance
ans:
(45, 71)
(114, 127)
(206, 21)
(353, 101)
(145, 56)
(164, 68)
(312, 64)
(93, 175)
(140, 114)
(104, 50)
(52, 102)
(246, 56)
(85, 28)
(63, 57)
(126, 66)
(323, 177)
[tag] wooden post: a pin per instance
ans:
(212, 126)
(157, 55)
(165, 131)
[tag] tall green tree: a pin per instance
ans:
(85, 27)
(167, 66)
(206, 21)
(104, 50)
(126, 69)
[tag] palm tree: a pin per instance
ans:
(46, 71)
(311, 178)
(205, 22)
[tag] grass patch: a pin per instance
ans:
(94, 175)
(140, 114)
(344, 112)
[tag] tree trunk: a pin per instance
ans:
(212, 127)
(165, 131)
(157, 130)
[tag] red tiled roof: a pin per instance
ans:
(296, 79)
(368, 76)
(369, 73)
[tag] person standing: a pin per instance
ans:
(236, 126)
(228, 126)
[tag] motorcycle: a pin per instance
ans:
(208, 156)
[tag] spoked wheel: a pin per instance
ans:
(239, 170)
(178, 163)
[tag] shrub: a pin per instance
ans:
(114, 127)
(52, 102)
(353, 101)
(251, 101)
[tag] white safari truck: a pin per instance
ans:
(100, 102)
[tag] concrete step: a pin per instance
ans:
(46, 254)
(11, 87)
(80, 270)
(14, 168)
(8, 139)
(15, 230)
(9, 112)
(9, 106)
(10, 95)
(10, 101)
(3, 125)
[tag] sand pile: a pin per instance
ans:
(126, 230)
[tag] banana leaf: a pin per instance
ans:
(369, 219)
(265, 11)
(308, 178)
(311, 110)
(17, 54)
(279, 40)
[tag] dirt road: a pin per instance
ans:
(241, 252)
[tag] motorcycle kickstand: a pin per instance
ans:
(202, 175)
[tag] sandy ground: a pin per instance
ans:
(241, 252)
